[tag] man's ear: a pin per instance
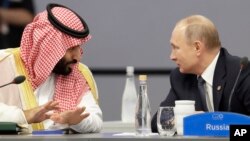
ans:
(197, 47)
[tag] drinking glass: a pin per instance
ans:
(166, 121)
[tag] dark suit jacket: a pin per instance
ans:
(184, 87)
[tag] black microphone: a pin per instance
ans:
(243, 64)
(17, 80)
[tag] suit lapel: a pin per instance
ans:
(225, 73)
(219, 80)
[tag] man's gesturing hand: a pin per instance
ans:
(38, 114)
(70, 117)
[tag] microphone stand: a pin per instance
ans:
(243, 64)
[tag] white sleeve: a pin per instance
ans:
(93, 123)
(12, 114)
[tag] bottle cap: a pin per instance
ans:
(142, 77)
(130, 70)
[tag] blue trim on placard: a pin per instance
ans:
(212, 123)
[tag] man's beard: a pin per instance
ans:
(62, 67)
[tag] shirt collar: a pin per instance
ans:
(208, 74)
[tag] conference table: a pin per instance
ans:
(112, 131)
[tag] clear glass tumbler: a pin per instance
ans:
(166, 121)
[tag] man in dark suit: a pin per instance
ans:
(197, 51)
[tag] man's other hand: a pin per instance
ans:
(70, 117)
(39, 114)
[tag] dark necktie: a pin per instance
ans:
(201, 88)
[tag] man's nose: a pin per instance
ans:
(172, 56)
(76, 54)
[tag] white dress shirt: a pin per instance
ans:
(208, 75)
